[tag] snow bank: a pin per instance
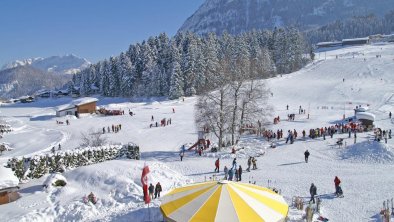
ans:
(7, 178)
(117, 186)
(369, 152)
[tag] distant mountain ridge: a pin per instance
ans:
(238, 16)
(68, 64)
(26, 80)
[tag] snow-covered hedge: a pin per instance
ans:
(37, 166)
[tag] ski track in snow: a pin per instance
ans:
(364, 168)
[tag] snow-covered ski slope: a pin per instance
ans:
(365, 168)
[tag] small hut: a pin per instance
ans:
(78, 106)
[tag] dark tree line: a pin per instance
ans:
(358, 26)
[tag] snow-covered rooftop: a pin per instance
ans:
(365, 115)
(328, 43)
(356, 39)
(7, 178)
(77, 102)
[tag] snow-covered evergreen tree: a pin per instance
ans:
(125, 69)
(176, 83)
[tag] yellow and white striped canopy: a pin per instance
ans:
(223, 201)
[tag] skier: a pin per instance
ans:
(225, 172)
(313, 192)
(390, 134)
(217, 165)
(390, 114)
(157, 190)
(60, 147)
(287, 107)
(103, 130)
(151, 190)
(152, 119)
(306, 154)
(173, 110)
(240, 173)
(67, 122)
(337, 183)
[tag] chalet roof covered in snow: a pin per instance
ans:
(7, 178)
(365, 115)
(329, 43)
(356, 39)
(77, 102)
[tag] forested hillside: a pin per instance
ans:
(183, 65)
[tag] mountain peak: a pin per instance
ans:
(66, 64)
(237, 16)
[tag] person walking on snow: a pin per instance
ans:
(151, 190)
(234, 164)
(254, 163)
(313, 192)
(337, 183)
(173, 110)
(230, 174)
(157, 190)
(225, 172)
(239, 173)
(217, 165)
(355, 137)
(249, 164)
(152, 119)
(385, 138)
(306, 154)
(390, 114)
(181, 154)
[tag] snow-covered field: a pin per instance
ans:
(365, 168)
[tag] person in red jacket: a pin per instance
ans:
(217, 165)
(337, 183)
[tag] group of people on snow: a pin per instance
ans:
(252, 161)
(154, 191)
(53, 150)
(382, 134)
(229, 174)
(115, 128)
(338, 189)
(163, 122)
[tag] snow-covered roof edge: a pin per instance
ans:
(7, 178)
(77, 102)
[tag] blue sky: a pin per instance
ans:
(93, 29)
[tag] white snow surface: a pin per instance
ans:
(7, 178)
(365, 168)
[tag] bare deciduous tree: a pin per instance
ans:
(93, 138)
